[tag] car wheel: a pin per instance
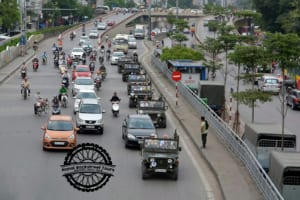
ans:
(175, 176)
(144, 173)
(101, 131)
(293, 106)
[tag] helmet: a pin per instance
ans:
(25, 78)
(165, 136)
(115, 93)
(153, 136)
(98, 72)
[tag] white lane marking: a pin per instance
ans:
(207, 187)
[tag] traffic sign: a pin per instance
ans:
(176, 76)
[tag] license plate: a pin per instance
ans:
(90, 126)
(160, 170)
(59, 143)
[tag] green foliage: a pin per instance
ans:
(171, 18)
(213, 9)
(179, 37)
(115, 3)
(181, 24)
(181, 4)
(250, 97)
(53, 30)
(9, 13)
(179, 52)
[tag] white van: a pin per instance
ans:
(269, 83)
(139, 31)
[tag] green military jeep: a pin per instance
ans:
(156, 109)
(122, 61)
(137, 79)
(160, 156)
(139, 93)
(131, 68)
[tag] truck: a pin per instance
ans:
(213, 93)
(139, 31)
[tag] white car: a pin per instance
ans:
(82, 83)
(93, 34)
(90, 116)
(77, 52)
(132, 43)
(115, 57)
(84, 94)
(83, 39)
(102, 26)
(196, 11)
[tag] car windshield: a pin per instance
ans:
(90, 108)
(84, 37)
(272, 81)
(60, 126)
(78, 50)
(131, 40)
(118, 54)
(86, 95)
(82, 69)
(94, 31)
(120, 41)
(102, 24)
(140, 123)
(79, 81)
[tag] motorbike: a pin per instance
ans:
(71, 36)
(56, 63)
(24, 92)
(64, 100)
(62, 68)
(54, 50)
(101, 59)
(55, 110)
(102, 69)
(69, 62)
(41, 106)
(44, 60)
(92, 67)
(35, 66)
(23, 73)
(115, 107)
(65, 81)
(98, 83)
(83, 60)
(107, 55)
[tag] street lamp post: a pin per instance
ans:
(149, 19)
(176, 9)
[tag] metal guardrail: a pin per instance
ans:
(228, 136)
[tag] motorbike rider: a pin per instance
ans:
(115, 97)
(55, 102)
(35, 59)
(106, 38)
(108, 52)
(92, 66)
(35, 45)
(62, 90)
(98, 76)
(39, 99)
(23, 68)
(65, 76)
(135, 56)
(44, 57)
(25, 85)
(72, 35)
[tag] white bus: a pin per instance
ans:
(100, 9)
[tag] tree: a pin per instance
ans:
(179, 52)
(252, 57)
(179, 37)
(181, 24)
(213, 47)
(249, 16)
(285, 49)
(9, 14)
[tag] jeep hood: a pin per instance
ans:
(87, 116)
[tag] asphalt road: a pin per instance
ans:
(28, 172)
(269, 112)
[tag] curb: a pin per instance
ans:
(188, 132)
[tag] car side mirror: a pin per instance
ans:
(166, 107)
(103, 111)
(179, 148)
(98, 98)
(43, 128)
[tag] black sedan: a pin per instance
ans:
(135, 128)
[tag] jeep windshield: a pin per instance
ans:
(136, 78)
(160, 145)
(140, 88)
(131, 66)
(152, 105)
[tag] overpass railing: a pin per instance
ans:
(227, 135)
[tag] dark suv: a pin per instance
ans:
(160, 156)
(131, 68)
(156, 110)
(137, 79)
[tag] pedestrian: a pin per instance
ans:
(162, 43)
(204, 130)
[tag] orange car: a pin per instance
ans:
(59, 133)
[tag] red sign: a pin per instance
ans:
(176, 76)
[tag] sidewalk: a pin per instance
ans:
(234, 179)
(12, 67)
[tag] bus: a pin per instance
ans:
(100, 9)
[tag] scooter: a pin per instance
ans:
(35, 66)
(65, 81)
(44, 61)
(115, 107)
(97, 83)
(23, 73)
(64, 100)
(55, 110)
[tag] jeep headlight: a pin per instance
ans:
(47, 136)
(131, 94)
(152, 160)
(170, 160)
(80, 120)
(72, 137)
(99, 121)
(141, 111)
(130, 136)
(158, 115)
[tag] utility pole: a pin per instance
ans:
(149, 19)
(23, 40)
(176, 9)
